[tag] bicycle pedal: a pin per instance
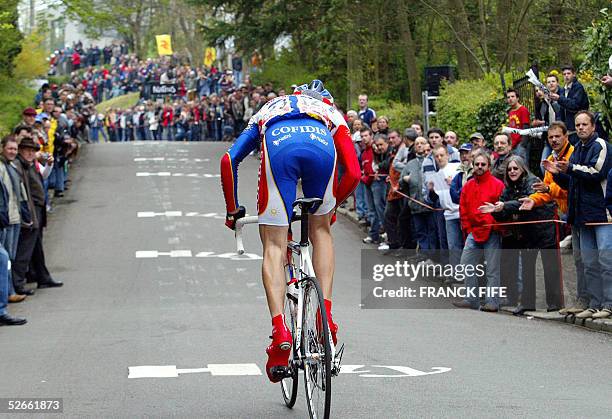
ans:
(338, 360)
(281, 372)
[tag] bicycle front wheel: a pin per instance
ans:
(289, 385)
(316, 351)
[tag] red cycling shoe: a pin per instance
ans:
(333, 327)
(279, 350)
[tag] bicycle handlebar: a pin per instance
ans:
(252, 219)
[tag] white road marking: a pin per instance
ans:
(168, 174)
(152, 254)
(170, 371)
(183, 159)
(151, 214)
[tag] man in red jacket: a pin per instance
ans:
(479, 197)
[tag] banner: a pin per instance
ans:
(164, 44)
(159, 91)
(210, 55)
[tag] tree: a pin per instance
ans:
(131, 19)
(10, 35)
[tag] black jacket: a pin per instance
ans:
(585, 181)
(576, 100)
(533, 236)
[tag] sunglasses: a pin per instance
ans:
(513, 169)
(480, 164)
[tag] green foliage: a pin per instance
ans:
(14, 98)
(595, 65)
(460, 102)
(10, 35)
(491, 116)
(282, 72)
(119, 102)
(31, 61)
(401, 115)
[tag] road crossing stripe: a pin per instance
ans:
(169, 174)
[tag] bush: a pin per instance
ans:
(491, 116)
(14, 98)
(282, 72)
(460, 102)
(595, 65)
(401, 115)
(31, 62)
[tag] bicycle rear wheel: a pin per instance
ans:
(317, 351)
(289, 385)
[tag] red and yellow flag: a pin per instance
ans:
(164, 44)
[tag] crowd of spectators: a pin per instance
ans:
(209, 103)
(34, 161)
(454, 200)
(460, 202)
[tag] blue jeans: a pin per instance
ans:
(594, 244)
(455, 240)
(360, 201)
(94, 134)
(4, 280)
(9, 239)
(376, 195)
(59, 178)
(473, 253)
(424, 225)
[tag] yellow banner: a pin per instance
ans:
(210, 55)
(164, 44)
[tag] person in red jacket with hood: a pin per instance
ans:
(479, 198)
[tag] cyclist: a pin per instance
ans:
(302, 137)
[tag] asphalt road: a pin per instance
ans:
(138, 292)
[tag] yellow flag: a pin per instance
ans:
(164, 44)
(210, 55)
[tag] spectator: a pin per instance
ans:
(548, 190)
(439, 194)
(572, 99)
(479, 226)
(376, 191)
(16, 207)
(585, 175)
(412, 185)
(367, 157)
(451, 139)
(418, 127)
(393, 209)
(516, 206)
(365, 114)
(464, 173)
(501, 145)
(478, 141)
(518, 117)
(547, 111)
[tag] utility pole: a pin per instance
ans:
(32, 15)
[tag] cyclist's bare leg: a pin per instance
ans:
(274, 240)
(323, 256)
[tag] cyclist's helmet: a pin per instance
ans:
(315, 89)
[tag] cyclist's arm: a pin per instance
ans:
(245, 143)
(348, 159)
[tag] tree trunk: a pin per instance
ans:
(410, 54)
(459, 20)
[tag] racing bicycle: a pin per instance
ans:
(313, 350)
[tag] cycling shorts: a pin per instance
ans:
(295, 149)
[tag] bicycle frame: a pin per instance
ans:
(304, 270)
